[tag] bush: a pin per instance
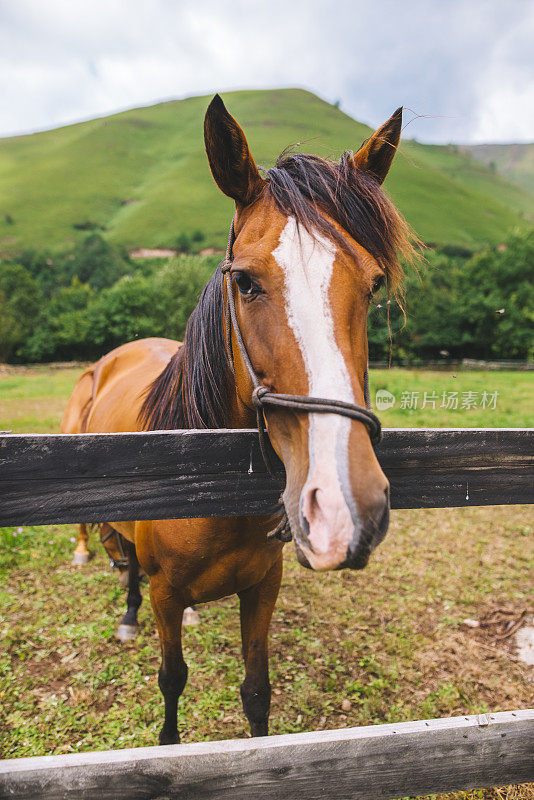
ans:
(87, 226)
(177, 287)
(183, 243)
(455, 251)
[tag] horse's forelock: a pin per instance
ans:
(308, 187)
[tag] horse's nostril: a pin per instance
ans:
(318, 518)
(313, 503)
(311, 509)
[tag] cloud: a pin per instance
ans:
(465, 66)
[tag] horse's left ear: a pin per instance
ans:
(377, 153)
(232, 166)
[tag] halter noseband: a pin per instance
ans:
(262, 397)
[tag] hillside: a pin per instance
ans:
(142, 175)
(514, 161)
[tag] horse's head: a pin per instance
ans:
(314, 241)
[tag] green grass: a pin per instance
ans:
(143, 175)
(32, 399)
(514, 408)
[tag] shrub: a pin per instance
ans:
(183, 243)
(96, 262)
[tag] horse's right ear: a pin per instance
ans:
(231, 163)
(376, 155)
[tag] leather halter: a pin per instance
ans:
(262, 397)
(119, 563)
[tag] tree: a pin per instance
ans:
(96, 262)
(21, 304)
(177, 287)
(125, 311)
(496, 300)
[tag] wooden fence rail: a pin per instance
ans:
(170, 474)
(371, 763)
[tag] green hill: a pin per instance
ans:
(514, 161)
(142, 176)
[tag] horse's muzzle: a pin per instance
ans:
(367, 534)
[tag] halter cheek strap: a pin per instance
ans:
(263, 397)
(121, 562)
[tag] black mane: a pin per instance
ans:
(194, 389)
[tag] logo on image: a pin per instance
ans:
(384, 400)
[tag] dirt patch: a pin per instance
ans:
(28, 369)
(495, 627)
(147, 252)
(211, 251)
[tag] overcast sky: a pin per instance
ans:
(465, 66)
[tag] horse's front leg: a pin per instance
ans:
(168, 611)
(257, 606)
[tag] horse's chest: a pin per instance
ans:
(230, 574)
(209, 559)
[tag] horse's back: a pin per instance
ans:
(78, 405)
(109, 395)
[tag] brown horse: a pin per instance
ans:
(314, 241)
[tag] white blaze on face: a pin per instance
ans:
(307, 263)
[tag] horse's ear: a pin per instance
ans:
(377, 153)
(231, 163)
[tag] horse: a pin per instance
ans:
(312, 241)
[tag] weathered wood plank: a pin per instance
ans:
(170, 474)
(374, 762)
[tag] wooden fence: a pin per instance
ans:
(168, 474)
(371, 763)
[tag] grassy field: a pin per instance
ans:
(32, 399)
(143, 176)
(389, 640)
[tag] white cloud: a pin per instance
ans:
(465, 63)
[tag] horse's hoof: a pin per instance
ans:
(126, 633)
(78, 559)
(173, 738)
(191, 617)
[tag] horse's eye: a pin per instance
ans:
(377, 284)
(244, 283)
